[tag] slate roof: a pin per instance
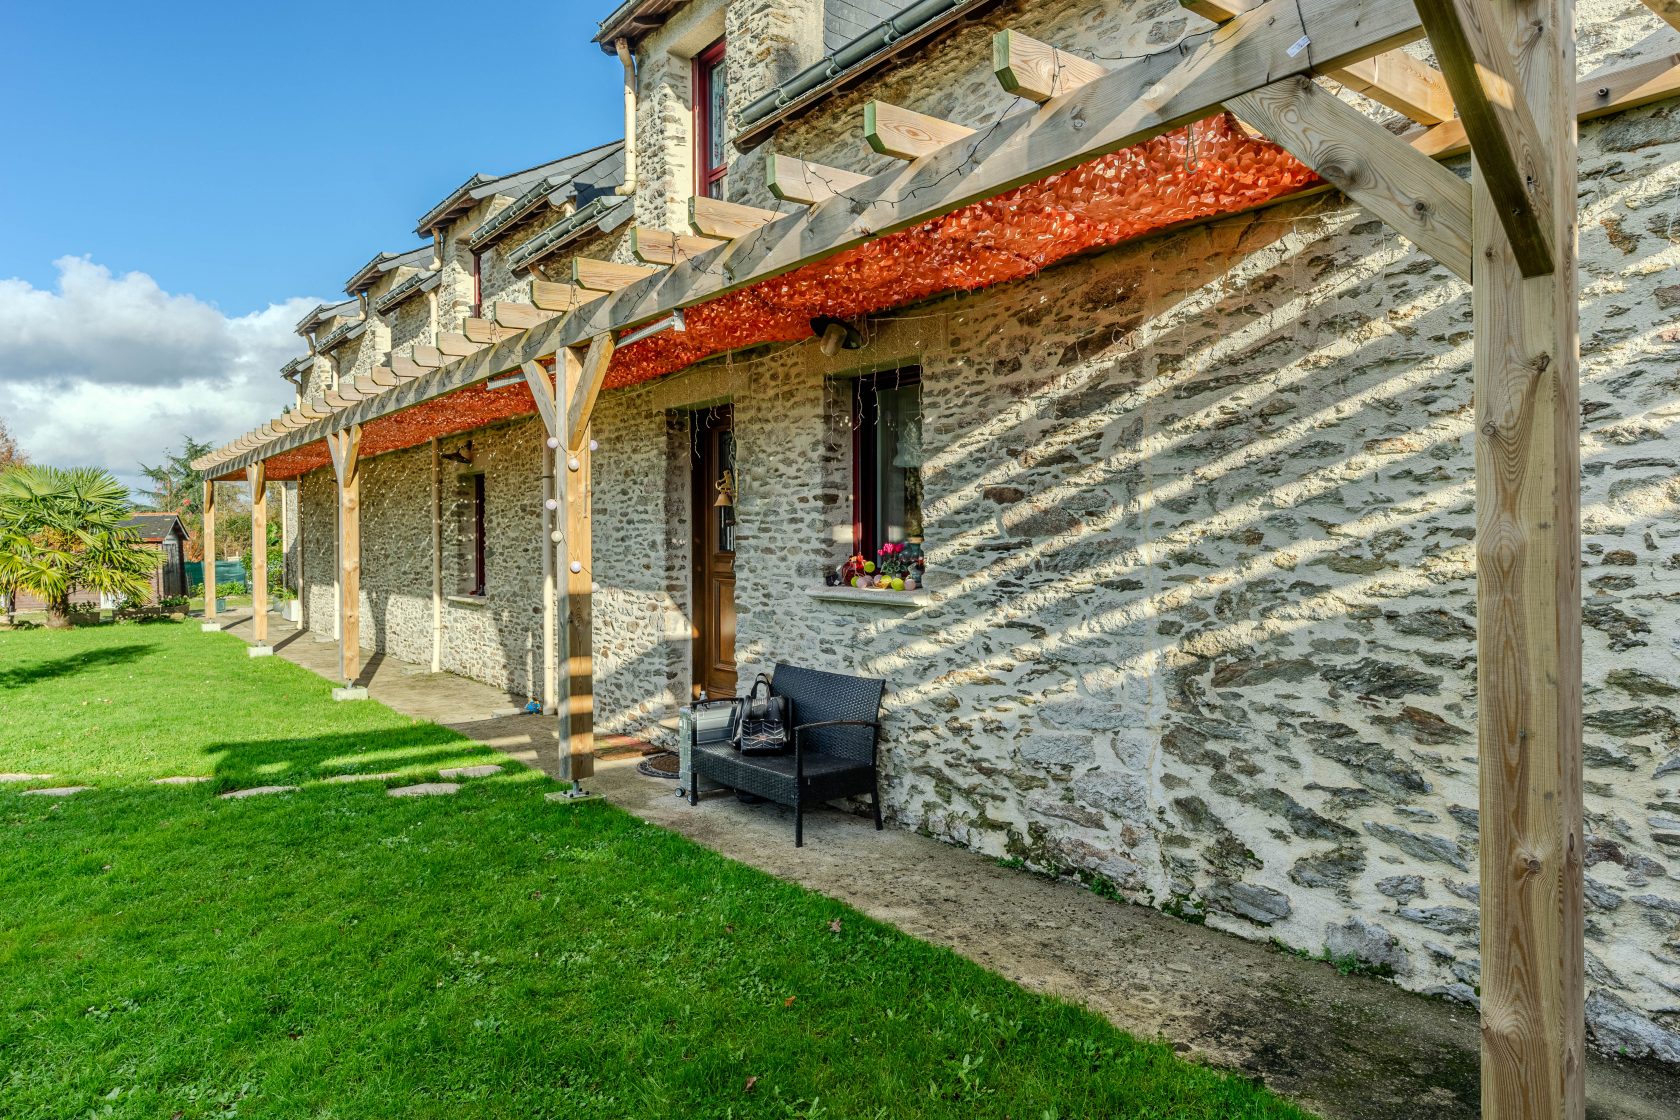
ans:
(482, 186)
(845, 20)
(580, 184)
(153, 526)
(346, 309)
(418, 257)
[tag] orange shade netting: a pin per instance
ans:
(1205, 169)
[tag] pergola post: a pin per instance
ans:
(1528, 594)
(437, 556)
(346, 449)
(551, 454)
(207, 540)
(257, 475)
(577, 753)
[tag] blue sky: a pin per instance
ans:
(180, 178)
(250, 152)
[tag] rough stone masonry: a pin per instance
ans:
(1200, 527)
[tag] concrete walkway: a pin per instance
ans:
(1346, 1047)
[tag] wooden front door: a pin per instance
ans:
(714, 552)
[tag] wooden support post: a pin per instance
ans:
(346, 453)
(1512, 155)
(437, 556)
(1667, 10)
(207, 539)
(257, 475)
(553, 451)
(1418, 197)
(574, 553)
(544, 392)
(1528, 593)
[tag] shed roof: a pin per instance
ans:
(154, 527)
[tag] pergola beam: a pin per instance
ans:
(552, 296)
(663, 248)
(1510, 152)
(713, 217)
(1393, 78)
(1423, 201)
(906, 134)
(1038, 71)
(581, 398)
(797, 180)
(520, 316)
(607, 276)
(542, 391)
(1133, 103)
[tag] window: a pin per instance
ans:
(711, 104)
(469, 534)
(887, 461)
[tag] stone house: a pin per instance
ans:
(1198, 621)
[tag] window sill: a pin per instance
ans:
(899, 600)
(468, 600)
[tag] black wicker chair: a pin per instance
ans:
(837, 727)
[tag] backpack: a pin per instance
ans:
(766, 722)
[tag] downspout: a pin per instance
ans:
(627, 189)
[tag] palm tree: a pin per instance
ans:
(61, 532)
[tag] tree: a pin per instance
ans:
(60, 532)
(176, 487)
(10, 454)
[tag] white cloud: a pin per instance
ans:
(110, 371)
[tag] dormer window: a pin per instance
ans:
(711, 100)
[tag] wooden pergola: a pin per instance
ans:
(1507, 69)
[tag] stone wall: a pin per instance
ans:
(495, 638)
(1201, 528)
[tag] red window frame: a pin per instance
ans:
(708, 178)
(866, 418)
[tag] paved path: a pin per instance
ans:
(1349, 1048)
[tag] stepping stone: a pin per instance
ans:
(255, 791)
(425, 789)
(24, 777)
(60, 791)
(470, 772)
(181, 780)
(340, 778)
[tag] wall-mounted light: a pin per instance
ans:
(836, 336)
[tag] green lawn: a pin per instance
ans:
(339, 953)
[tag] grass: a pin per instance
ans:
(337, 953)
